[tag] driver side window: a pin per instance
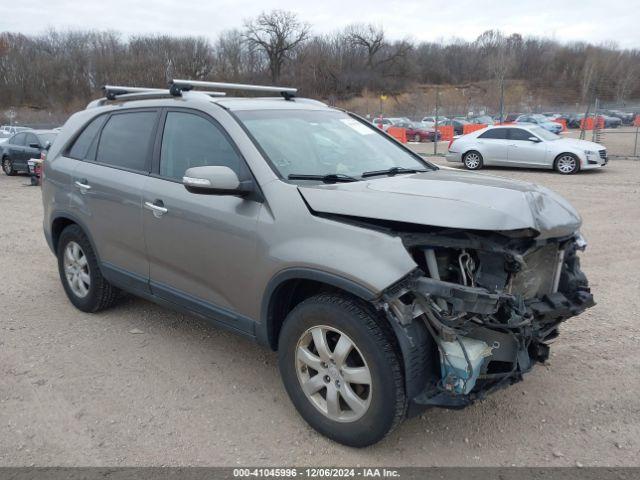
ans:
(190, 140)
(520, 134)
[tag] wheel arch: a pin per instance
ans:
(61, 221)
(567, 152)
(291, 286)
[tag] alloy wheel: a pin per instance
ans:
(6, 166)
(333, 374)
(566, 164)
(76, 269)
(472, 160)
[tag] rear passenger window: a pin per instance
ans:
(85, 145)
(190, 140)
(126, 140)
(495, 134)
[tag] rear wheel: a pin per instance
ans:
(416, 138)
(80, 274)
(472, 160)
(7, 166)
(567, 163)
(341, 369)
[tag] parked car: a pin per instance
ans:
(382, 123)
(385, 283)
(511, 117)
(626, 117)
(432, 120)
(541, 121)
(416, 131)
(609, 121)
(457, 124)
(529, 146)
(11, 129)
(4, 136)
(482, 120)
(21, 147)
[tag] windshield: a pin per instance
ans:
(325, 142)
(544, 134)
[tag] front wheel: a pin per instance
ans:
(7, 167)
(566, 164)
(341, 369)
(472, 160)
(416, 138)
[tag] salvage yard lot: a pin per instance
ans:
(142, 385)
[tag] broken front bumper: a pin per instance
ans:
(486, 339)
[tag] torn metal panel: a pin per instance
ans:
(492, 303)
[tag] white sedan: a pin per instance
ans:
(527, 146)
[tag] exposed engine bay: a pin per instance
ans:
(490, 302)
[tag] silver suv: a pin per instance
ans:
(386, 284)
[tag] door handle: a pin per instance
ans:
(158, 210)
(82, 185)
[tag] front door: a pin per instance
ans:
(525, 152)
(201, 247)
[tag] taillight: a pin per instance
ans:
(450, 143)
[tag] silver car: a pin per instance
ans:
(527, 146)
(387, 285)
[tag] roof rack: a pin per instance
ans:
(113, 91)
(186, 85)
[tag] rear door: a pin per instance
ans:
(493, 146)
(31, 147)
(108, 193)
(525, 152)
(201, 248)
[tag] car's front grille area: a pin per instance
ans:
(537, 277)
(603, 154)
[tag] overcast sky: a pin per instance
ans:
(595, 21)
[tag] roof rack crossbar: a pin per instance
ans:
(286, 92)
(113, 91)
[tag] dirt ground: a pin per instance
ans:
(142, 385)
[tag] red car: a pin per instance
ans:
(417, 132)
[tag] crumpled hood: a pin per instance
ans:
(451, 199)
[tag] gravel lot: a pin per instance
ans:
(141, 385)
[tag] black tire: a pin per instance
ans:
(101, 294)
(416, 138)
(559, 164)
(374, 341)
(472, 160)
(7, 167)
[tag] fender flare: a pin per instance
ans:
(264, 330)
(69, 216)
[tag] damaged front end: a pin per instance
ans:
(490, 302)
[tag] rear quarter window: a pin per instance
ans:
(84, 146)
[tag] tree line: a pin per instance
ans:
(65, 69)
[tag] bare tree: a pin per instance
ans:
(279, 34)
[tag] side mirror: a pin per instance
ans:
(47, 146)
(215, 180)
(534, 139)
